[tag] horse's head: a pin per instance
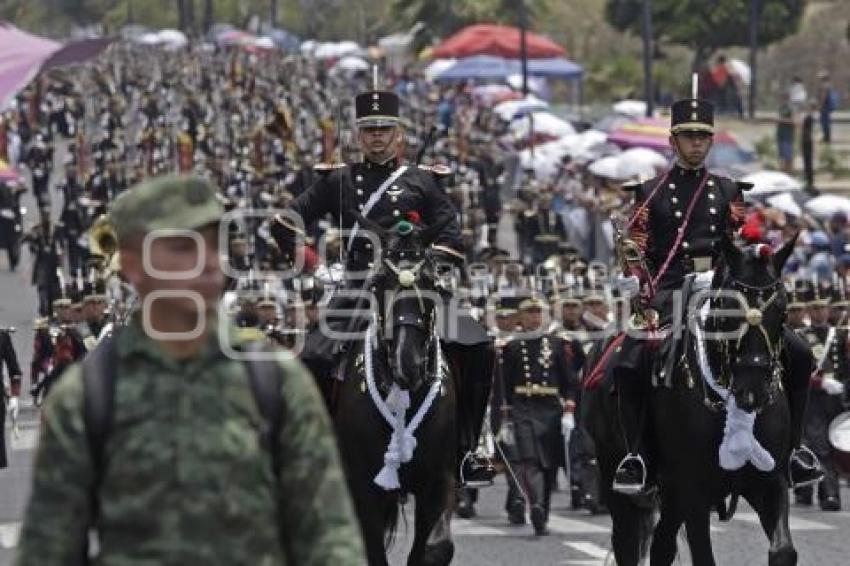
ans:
(751, 282)
(404, 284)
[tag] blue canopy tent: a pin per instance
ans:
(490, 67)
(477, 67)
(557, 67)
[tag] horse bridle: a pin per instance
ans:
(754, 317)
(407, 278)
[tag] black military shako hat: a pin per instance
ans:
(692, 115)
(376, 109)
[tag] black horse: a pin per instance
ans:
(686, 419)
(744, 355)
(407, 357)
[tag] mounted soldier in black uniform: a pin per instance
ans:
(679, 219)
(382, 190)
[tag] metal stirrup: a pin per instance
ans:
(630, 489)
(812, 464)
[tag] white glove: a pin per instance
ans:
(13, 407)
(629, 286)
(568, 423)
(832, 386)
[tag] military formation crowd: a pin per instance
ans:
(536, 256)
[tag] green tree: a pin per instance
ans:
(444, 17)
(707, 26)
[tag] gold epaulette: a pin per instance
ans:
(327, 167)
(438, 170)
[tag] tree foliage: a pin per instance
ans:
(708, 26)
(444, 17)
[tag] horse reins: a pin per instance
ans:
(755, 320)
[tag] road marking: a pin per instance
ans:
(557, 524)
(9, 534)
(26, 441)
(565, 526)
(797, 524)
(467, 528)
(589, 548)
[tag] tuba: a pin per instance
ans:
(103, 241)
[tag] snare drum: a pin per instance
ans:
(839, 439)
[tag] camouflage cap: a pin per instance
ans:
(174, 202)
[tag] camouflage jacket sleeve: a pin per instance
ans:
(59, 510)
(318, 521)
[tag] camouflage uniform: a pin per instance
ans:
(186, 479)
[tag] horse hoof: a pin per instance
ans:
(783, 557)
(439, 554)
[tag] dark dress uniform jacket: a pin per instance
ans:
(822, 407)
(346, 189)
(416, 190)
(537, 379)
(718, 210)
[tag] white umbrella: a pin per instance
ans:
(741, 69)
(544, 123)
(173, 38)
(606, 167)
(264, 43)
(535, 84)
(437, 66)
(149, 39)
(786, 203)
(633, 108)
(640, 163)
(768, 182)
(309, 46)
(486, 94)
(825, 206)
(352, 64)
(333, 50)
(547, 156)
(509, 109)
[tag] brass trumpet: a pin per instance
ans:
(628, 255)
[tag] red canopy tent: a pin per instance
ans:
(501, 41)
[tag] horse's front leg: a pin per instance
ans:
(664, 547)
(432, 542)
(698, 530)
(772, 505)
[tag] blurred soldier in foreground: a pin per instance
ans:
(173, 465)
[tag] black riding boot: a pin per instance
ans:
(514, 501)
(473, 396)
(631, 475)
(829, 490)
(803, 467)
